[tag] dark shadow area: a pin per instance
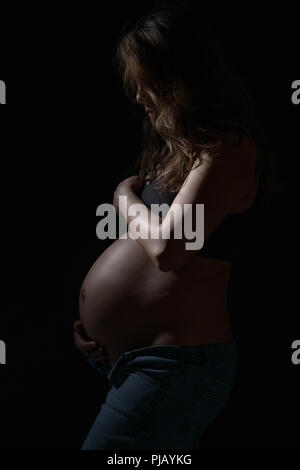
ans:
(70, 137)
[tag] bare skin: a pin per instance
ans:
(126, 302)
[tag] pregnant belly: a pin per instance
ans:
(125, 298)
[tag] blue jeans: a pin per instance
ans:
(163, 397)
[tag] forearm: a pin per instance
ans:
(143, 224)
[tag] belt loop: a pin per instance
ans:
(115, 366)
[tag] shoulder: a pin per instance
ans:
(238, 151)
(235, 158)
(225, 176)
(233, 148)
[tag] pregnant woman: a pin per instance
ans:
(154, 314)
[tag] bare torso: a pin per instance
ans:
(126, 302)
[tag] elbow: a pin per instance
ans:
(163, 266)
(166, 261)
(170, 256)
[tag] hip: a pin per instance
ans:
(164, 397)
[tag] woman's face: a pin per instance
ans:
(146, 98)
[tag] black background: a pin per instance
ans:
(69, 136)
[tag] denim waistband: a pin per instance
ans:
(204, 354)
(208, 352)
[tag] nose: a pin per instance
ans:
(138, 96)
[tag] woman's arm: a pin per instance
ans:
(143, 224)
(216, 184)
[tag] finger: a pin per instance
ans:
(90, 348)
(96, 355)
(81, 334)
(101, 351)
(84, 344)
(78, 325)
(78, 322)
(83, 337)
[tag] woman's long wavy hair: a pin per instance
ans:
(172, 52)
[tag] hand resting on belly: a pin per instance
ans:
(122, 298)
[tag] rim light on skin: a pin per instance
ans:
(140, 94)
(162, 58)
